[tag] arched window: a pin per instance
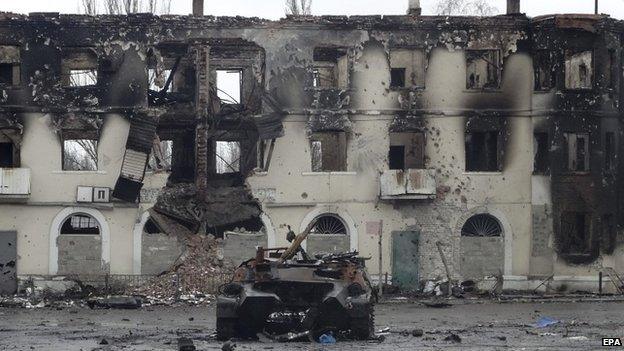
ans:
(329, 224)
(80, 223)
(482, 225)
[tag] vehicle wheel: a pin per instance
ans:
(226, 328)
(363, 328)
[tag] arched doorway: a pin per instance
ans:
(482, 247)
(79, 242)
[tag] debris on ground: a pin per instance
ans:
(544, 322)
(418, 333)
(437, 304)
(196, 272)
(453, 338)
(228, 346)
(327, 339)
(103, 342)
(116, 302)
(186, 344)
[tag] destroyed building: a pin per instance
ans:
(498, 137)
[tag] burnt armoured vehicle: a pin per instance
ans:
(287, 298)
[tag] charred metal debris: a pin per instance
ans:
(163, 75)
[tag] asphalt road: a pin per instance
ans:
(482, 326)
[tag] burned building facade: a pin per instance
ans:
(496, 139)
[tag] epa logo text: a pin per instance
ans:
(611, 342)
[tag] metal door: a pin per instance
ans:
(405, 259)
(8, 263)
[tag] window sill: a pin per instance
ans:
(408, 89)
(543, 91)
(79, 172)
(328, 173)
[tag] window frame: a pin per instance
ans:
(499, 69)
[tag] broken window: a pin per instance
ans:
(482, 225)
(543, 69)
(407, 68)
(578, 151)
(6, 155)
(575, 230)
(157, 79)
(79, 68)
(329, 224)
(609, 152)
(80, 224)
(406, 151)
(329, 152)
(228, 156)
(331, 68)
(482, 152)
(483, 69)
(80, 155)
(541, 151)
(10, 65)
(229, 83)
(150, 227)
(161, 156)
(578, 69)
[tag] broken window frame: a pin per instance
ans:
(82, 136)
(574, 154)
(226, 97)
(85, 67)
(568, 68)
(89, 228)
(13, 138)
(545, 76)
(541, 153)
(413, 151)
(333, 162)
(330, 68)
(414, 66)
(161, 157)
(231, 165)
(10, 56)
(496, 67)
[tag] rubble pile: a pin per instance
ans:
(194, 276)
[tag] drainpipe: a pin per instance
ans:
(198, 7)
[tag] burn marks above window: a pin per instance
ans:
(10, 65)
(483, 69)
(79, 67)
(330, 68)
(579, 69)
(328, 152)
(407, 68)
(482, 225)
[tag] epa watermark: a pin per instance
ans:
(611, 342)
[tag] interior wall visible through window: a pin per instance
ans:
(483, 69)
(577, 146)
(331, 68)
(10, 65)
(406, 150)
(407, 68)
(579, 69)
(328, 152)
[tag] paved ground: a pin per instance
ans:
(486, 326)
